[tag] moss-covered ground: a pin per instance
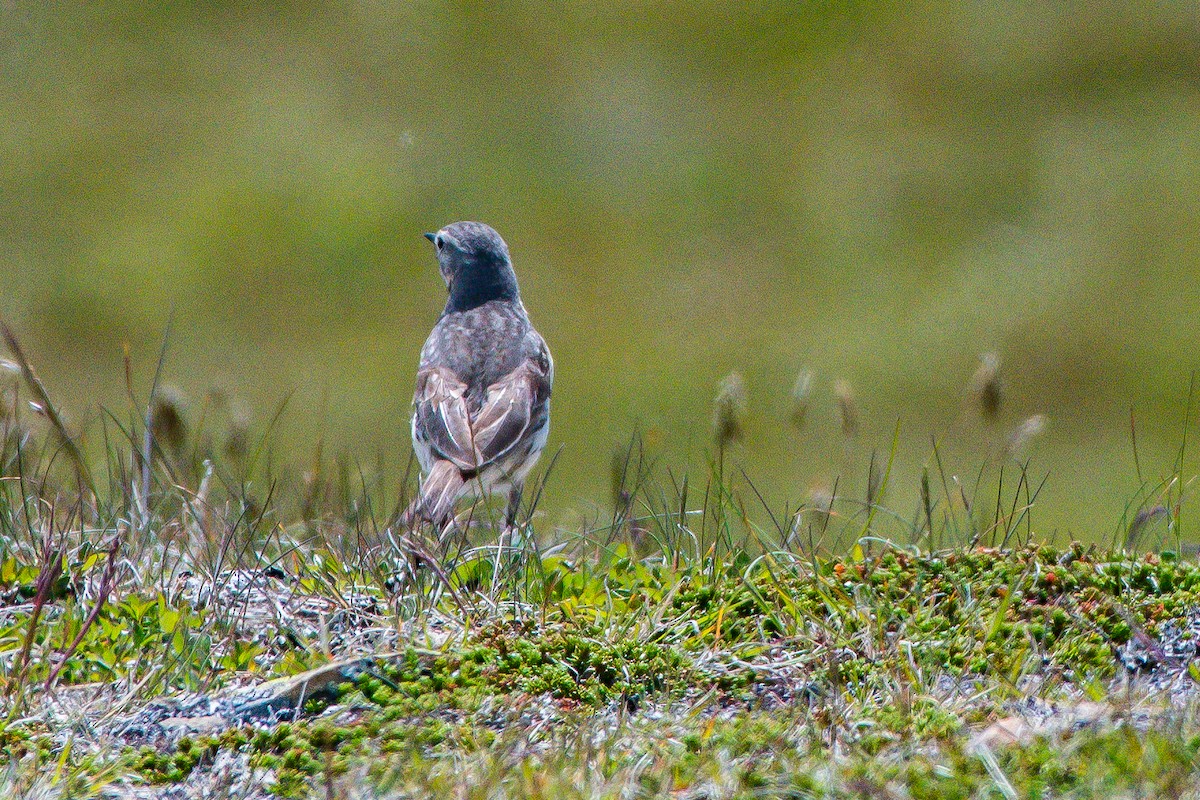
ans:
(880, 675)
(180, 618)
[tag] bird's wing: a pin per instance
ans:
(440, 416)
(512, 404)
(472, 441)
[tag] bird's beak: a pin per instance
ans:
(430, 236)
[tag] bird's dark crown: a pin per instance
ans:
(475, 264)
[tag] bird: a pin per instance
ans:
(481, 408)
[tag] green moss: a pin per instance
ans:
(857, 630)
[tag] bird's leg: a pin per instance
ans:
(514, 506)
(446, 528)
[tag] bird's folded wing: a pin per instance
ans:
(441, 417)
(471, 442)
(512, 406)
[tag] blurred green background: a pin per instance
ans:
(877, 192)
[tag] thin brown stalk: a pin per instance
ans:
(47, 576)
(43, 399)
(106, 586)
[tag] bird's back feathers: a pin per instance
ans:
(472, 438)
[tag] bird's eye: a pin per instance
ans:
(440, 242)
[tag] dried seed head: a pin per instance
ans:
(10, 376)
(237, 439)
(729, 410)
(986, 387)
(800, 393)
(1026, 432)
(1143, 518)
(874, 480)
(168, 418)
(820, 504)
(617, 469)
(927, 497)
(654, 437)
(847, 407)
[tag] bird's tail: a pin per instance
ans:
(440, 489)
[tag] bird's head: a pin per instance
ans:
(475, 264)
